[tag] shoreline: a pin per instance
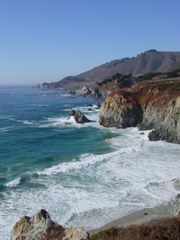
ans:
(143, 216)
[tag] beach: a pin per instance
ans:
(144, 216)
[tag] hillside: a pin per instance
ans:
(148, 62)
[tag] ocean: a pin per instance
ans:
(84, 175)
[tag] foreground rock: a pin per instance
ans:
(41, 227)
(79, 116)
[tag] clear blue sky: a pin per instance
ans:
(45, 40)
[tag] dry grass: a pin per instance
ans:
(167, 229)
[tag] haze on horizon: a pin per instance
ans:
(47, 40)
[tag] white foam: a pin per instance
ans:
(5, 129)
(99, 188)
(14, 183)
(85, 161)
(67, 122)
(25, 122)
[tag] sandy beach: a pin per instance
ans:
(165, 210)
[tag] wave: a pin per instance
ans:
(85, 160)
(85, 109)
(57, 122)
(14, 183)
(11, 118)
(5, 116)
(4, 129)
(25, 122)
(66, 122)
(40, 105)
(19, 180)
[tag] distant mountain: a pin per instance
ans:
(147, 62)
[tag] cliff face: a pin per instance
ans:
(150, 105)
(161, 109)
(120, 109)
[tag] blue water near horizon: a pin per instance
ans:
(84, 175)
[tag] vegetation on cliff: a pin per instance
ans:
(166, 229)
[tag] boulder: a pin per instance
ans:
(41, 227)
(154, 136)
(79, 116)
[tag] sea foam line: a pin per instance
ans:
(85, 160)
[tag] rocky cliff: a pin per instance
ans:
(150, 105)
(120, 109)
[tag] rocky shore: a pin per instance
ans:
(148, 105)
(41, 227)
(161, 222)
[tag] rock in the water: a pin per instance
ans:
(153, 136)
(79, 116)
(41, 227)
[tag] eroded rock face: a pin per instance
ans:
(161, 111)
(120, 109)
(41, 227)
(150, 105)
(79, 116)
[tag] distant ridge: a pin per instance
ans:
(147, 62)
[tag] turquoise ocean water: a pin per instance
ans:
(82, 174)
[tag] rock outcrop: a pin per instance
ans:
(79, 116)
(41, 227)
(88, 92)
(150, 105)
(120, 109)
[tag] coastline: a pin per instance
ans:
(143, 216)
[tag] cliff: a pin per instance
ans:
(149, 105)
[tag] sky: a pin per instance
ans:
(46, 40)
